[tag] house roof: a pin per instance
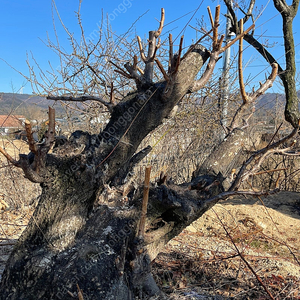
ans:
(10, 121)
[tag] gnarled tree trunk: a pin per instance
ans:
(80, 239)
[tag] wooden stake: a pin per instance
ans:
(141, 231)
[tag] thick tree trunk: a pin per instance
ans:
(73, 240)
(80, 238)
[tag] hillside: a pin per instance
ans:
(32, 107)
(35, 107)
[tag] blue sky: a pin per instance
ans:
(24, 26)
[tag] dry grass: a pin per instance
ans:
(203, 259)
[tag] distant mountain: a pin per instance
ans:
(270, 100)
(23, 104)
(11, 99)
(29, 105)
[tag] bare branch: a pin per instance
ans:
(156, 48)
(260, 156)
(179, 55)
(9, 158)
(240, 66)
(171, 55)
(141, 49)
(237, 38)
(251, 98)
(140, 70)
(210, 17)
(161, 23)
(268, 83)
(281, 6)
(132, 71)
(249, 12)
(29, 173)
(161, 68)
(82, 98)
(121, 71)
(270, 171)
(112, 96)
(198, 84)
(135, 62)
(220, 42)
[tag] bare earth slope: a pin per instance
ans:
(204, 257)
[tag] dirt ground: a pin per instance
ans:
(206, 257)
(13, 148)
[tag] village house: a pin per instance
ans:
(11, 123)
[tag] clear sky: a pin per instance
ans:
(24, 26)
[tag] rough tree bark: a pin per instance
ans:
(81, 238)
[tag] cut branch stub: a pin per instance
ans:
(216, 45)
(152, 49)
(50, 134)
(171, 55)
(161, 23)
(240, 66)
(34, 169)
(32, 144)
(142, 53)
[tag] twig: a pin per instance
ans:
(283, 242)
(273, 137)
(243, 258)
(161, 68)
(194, 45)
(270, 171)
(9, 158)
(262, 153)
(80, 294)
(112, 96)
